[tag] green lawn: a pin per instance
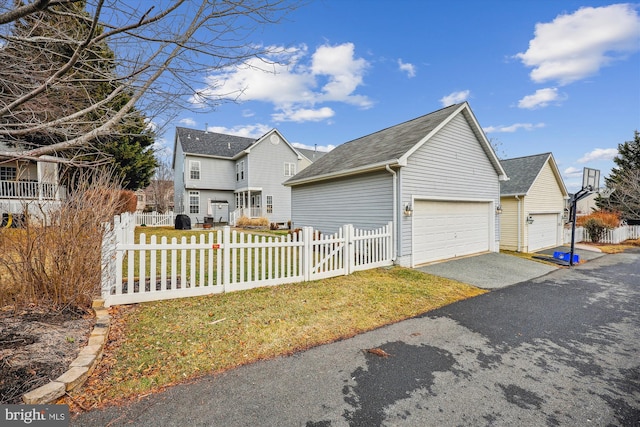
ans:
(156, 344)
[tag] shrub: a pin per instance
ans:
(55, 260)
(128, 201)
(273, 226)
(596, 223)
(244, 221)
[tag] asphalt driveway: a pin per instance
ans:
(557, 350)
(497, 270)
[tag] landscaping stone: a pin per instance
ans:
(45, 394)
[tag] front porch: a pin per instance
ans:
(23, 183)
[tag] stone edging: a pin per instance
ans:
(81, 367)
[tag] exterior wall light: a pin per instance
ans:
(498, 210)
(408, 210)
(529, 219)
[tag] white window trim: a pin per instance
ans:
(197, 206)
(194, 166)
(240, 170)
(289, 169)
(268, 204)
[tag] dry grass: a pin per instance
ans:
(172, 341)
(244, 221)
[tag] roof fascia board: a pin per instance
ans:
(348, 172)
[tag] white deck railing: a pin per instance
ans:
(155, 219)
(613, 236)
(29, 190)
(228, 260)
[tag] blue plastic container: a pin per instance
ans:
(566, 256)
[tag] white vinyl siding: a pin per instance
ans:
(266, 175)
(366, 201)
(452, 165)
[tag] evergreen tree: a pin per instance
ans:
(624, 181)
(51, 39)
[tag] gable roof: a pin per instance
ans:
(390, 146)
(211, 143)
(523, 172)
(311, 155)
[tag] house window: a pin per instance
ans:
(269, 204)
(8, 173)
(240, 171)
(289, 169)
(194, 202)
(194, 169)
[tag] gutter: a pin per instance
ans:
(347, 172)
(519, 223)
(395, 211)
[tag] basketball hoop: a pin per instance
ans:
(591, 179)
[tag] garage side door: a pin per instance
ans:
(450, 229)
(543, 232)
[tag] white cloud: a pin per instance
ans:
(248, 131)
(512, 128)
(303, 115)
(598, 154)
(324, 148)
(541, 98)
(293, 82)
(573, 172)
(187, 121)
(455, 97)
(408, 68)
(575, 46)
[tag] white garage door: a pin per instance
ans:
(444, 230)
(543, 232)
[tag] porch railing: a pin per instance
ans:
(29, 190)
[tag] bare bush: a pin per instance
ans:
(54, 261)
(245, 221)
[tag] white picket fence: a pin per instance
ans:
(154, 219)
(227, 260)
(613, 236)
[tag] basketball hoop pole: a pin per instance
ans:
(584, 192)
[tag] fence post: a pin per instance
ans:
(349, 253)
(226, 256)
(307, 252)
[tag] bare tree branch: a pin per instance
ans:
(160, 53)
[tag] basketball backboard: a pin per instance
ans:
(591, 178)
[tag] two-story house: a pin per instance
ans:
(224, 177)
(27, 187)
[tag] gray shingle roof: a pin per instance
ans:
(386, 145)
(522, 172)
(211, 143)
(312, 155)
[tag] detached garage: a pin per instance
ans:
(532, 202)
(436, 178)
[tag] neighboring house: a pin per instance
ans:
(157, 196)
(225, 177)
(28, 186)
(586, 205)
(434, 177)
(533, 202)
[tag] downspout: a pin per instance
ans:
(395, 212)
(519, 223)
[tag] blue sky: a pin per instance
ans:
(540, 76)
